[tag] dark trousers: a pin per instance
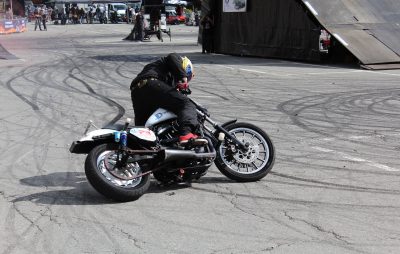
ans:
(207, 41)
(140, 32)
(44, 22)
(156, 94)
(38, 22)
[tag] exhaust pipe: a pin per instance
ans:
(176, 154)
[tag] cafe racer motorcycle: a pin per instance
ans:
(120, 158)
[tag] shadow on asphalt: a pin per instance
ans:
(219, 59)
(76, 190)
(155, 187)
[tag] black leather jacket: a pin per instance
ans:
(167, 69)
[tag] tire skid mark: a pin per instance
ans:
(41, 114)
(103, 70)
(302, 202)
(332, 103)
(119, 72)
(266, 215)
(212, 93)
(321, 229)
(182, 225)
(34, 228)
(121, 109)
(221, 82)
(330, 127)
(20, 96)
(39, 163)
(357, 159)
(108, 101)
(112, 103)
(344, 186)
(293, 161)
(112, 233)
(23, 74)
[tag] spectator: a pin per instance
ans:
(63, 16)
(90, 14)
(38, 18)
(196, 18)
(207, 24)
(133, 15)
(44, 16)
(50, 15)
(98, 12)
(192, 21)
(81, 15)
(56, 16)
(140, 26)
(9, 14)
(128, 14)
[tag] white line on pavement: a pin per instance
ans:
(263, 72)
(323, 72)
(356, 159)
(382, 73)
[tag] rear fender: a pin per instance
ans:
(91, 140)
(97, 134)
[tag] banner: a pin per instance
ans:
(234, 5)
(8, 26)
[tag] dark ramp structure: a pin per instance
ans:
(268, 28)
(4, 54)
(369, 29)
(363, 31)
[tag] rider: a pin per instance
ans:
(161, 84)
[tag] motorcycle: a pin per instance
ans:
(120, 159)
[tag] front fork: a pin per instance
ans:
(220, 129)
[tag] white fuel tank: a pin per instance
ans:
(160, 115)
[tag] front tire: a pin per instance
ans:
(250, 165)
(115, 183)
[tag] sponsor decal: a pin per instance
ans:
(158, 115)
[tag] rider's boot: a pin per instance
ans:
(192, 139)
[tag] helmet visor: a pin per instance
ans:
(189, 72)
(188, 67)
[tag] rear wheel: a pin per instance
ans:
(252, 164)
(119, 183)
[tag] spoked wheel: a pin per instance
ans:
(247, 165)
(118, 182)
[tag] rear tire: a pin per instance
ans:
(108, 184)
(251, 165)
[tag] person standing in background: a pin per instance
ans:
(44, 16)
(140, 26)
(38, 18)
(207, 24)
(9, 14)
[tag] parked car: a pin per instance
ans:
(182, 18)
(117, 12)
(172, 17)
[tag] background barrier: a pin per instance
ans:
(8, 26)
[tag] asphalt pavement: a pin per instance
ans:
(334, 188)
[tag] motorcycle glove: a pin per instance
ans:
(182, 86)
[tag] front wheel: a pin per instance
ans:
(113, 181)
(250, 165)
